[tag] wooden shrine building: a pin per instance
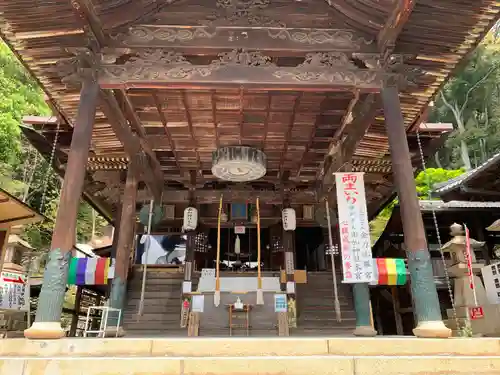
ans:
(185, 101)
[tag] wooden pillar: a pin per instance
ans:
(47, 323)
(289, 260)
(124, 245)
(424, 291)
(76, 314)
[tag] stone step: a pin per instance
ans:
(249, 356)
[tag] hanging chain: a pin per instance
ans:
(49, 168)
(436, 227)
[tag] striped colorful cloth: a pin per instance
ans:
(391, 271)
(88, 271)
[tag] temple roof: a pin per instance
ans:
(480, 183)
(189, 76)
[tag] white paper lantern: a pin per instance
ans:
(190, 219)
(289, 219)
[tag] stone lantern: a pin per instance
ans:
(463, 294)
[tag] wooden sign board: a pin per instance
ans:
(239, 229)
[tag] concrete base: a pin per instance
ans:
(364, 331)
(265, 356)
(432, 330)
(44, 331)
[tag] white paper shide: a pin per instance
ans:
(357, 263)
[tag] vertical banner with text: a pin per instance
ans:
(357, 262)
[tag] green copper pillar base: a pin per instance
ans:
(361, 293)
(47, 323)
(426, 302)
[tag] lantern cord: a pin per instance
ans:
(260, 293)
(332, 257)
(145, 265)
(217, 265)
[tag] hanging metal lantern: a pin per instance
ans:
(238, 163)
(289, 219)
(190, 219)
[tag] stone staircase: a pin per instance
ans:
(316, 308)
(269, 356)
(162, 304)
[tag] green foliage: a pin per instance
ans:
(425, 181)
(23, 172)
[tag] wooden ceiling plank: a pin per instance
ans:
(164, 121)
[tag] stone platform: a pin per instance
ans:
(291, 356)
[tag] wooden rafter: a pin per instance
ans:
(241, 119)
(266, 122)
(366, 111)
(135, 121)
(214, 117)
(392, 28)
(152, 175)
(163, 119)
(190, 126)
(288, 135)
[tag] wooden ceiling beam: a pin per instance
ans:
(364, 115)
(193, 39)
(164, 122)
(388, 36)
(270, 197)
(163, 69)
(190, 126)
(136, 122)
(152, 176)
(214, 117)
(288, 135)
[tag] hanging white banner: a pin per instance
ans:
(357, 263)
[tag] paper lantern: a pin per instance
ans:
(289, 219)
(190, 219)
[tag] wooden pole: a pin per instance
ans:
(76, 314)
(217, 266)
(124, 246)
(260, 293)
(47, 323)
(427, 307)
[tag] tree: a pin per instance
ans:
(425, 182)
(471, 102)
(23, 171)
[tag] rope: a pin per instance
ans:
(145, 265)
(332, 257)
(436, 227)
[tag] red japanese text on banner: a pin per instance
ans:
(357, 262)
